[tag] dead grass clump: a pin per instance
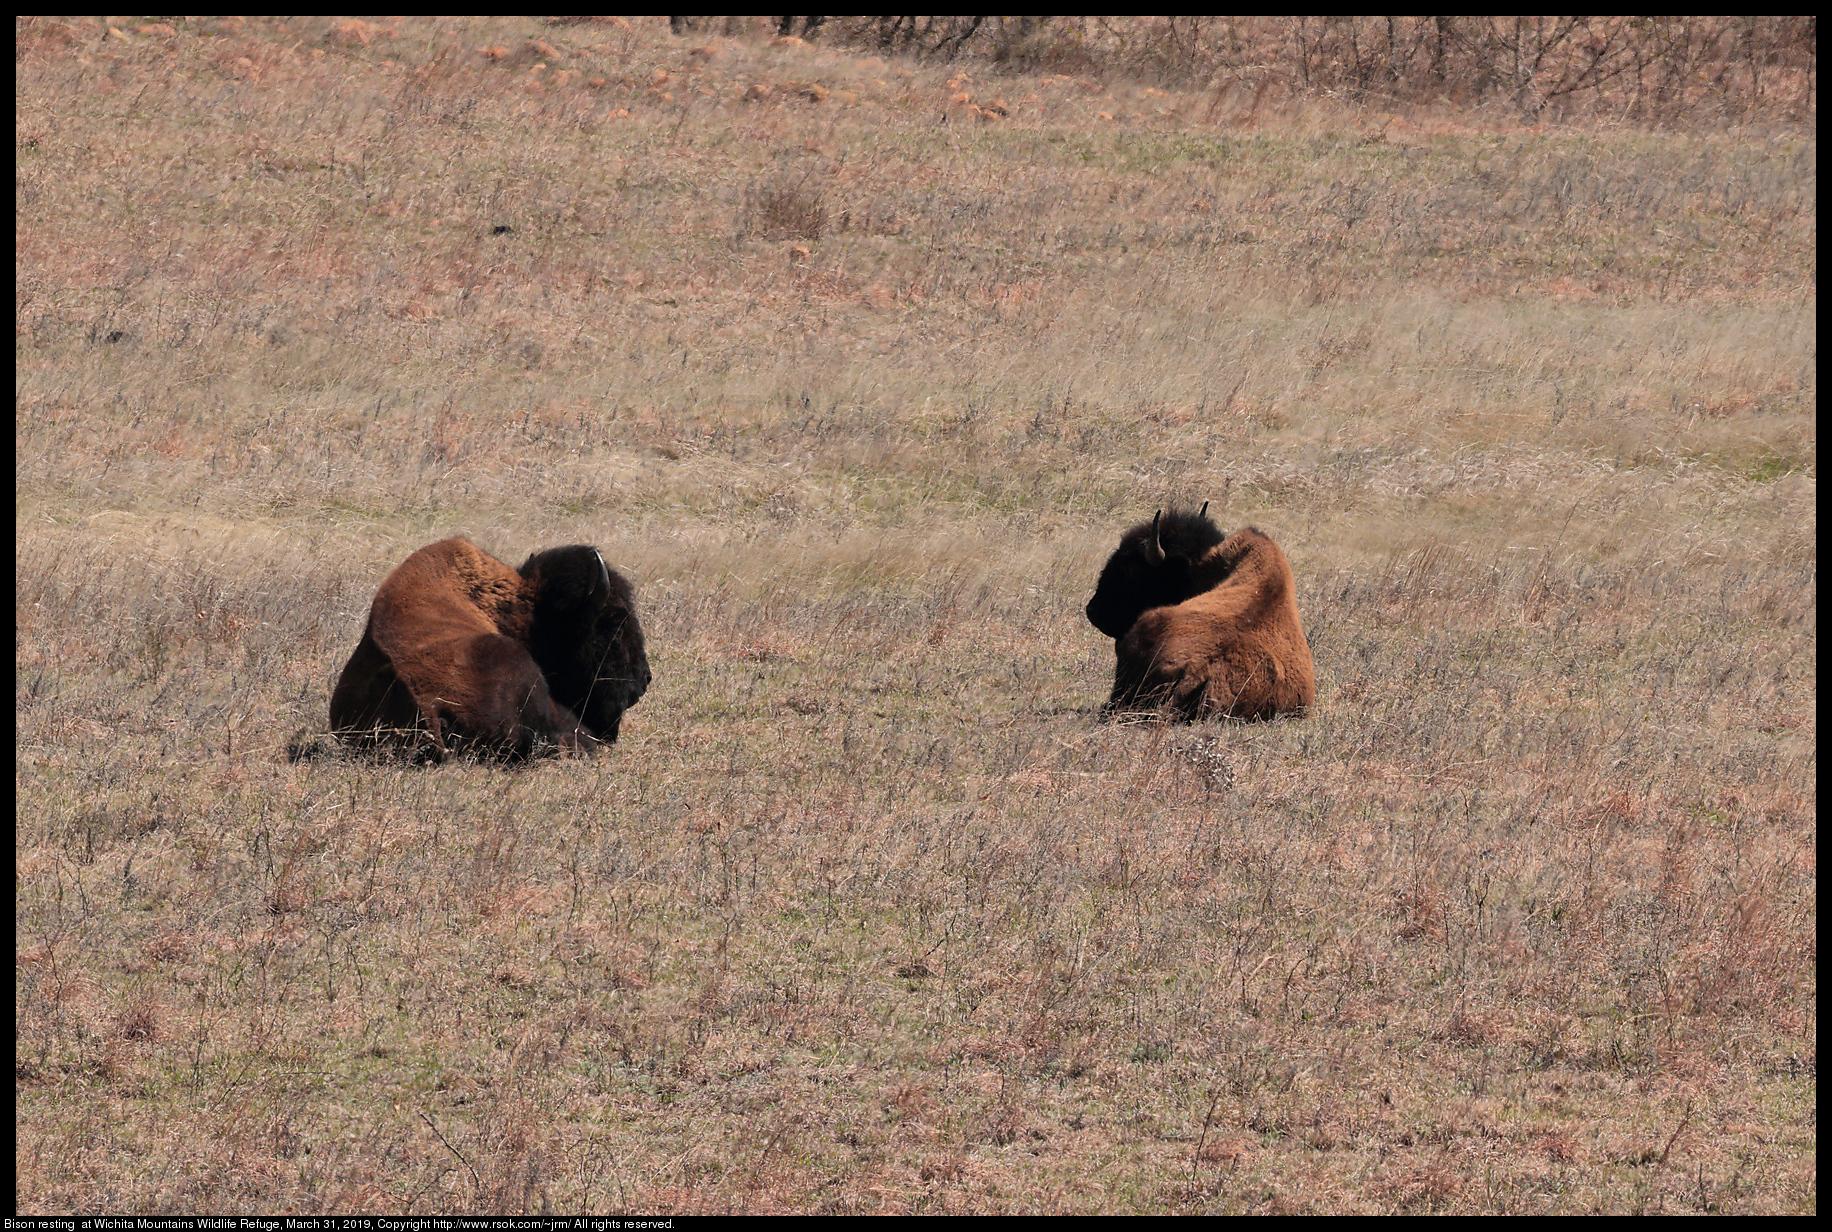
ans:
(1424, 1189)
(783, 211)
(141, 1022)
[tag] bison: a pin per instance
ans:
(463, 652)
(1204, 625)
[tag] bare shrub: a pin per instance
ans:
(1661, 69)
(784, 210)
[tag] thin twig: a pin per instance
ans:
(1678, 1130)
(1202, 1141)
(454, 1150)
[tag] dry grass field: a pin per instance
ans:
(858, 366)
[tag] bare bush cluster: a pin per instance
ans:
(784, 210)
(1664, 69)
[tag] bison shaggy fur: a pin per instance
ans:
(1205, 625)
(462, 652)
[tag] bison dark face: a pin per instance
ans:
(584, 634)
(1152, 567)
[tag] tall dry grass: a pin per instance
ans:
(867, 912)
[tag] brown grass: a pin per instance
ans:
(867, 912)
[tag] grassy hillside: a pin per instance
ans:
(858, 367)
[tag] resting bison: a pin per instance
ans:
(462, 651)
(1204, 625)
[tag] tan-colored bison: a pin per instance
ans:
(1204, 625)
(463, 652)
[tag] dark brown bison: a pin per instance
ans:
(463, 652)
(1204, 624)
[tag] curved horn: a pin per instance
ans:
(604, 576)
(1154, 552)
(1205, 510)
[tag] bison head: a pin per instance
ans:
(584, 634)
(1152, 567)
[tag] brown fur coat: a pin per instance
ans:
(1235, 649)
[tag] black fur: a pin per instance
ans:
(1132, 583)
(585, 636)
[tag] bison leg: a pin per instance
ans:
(1137, 682)
(1190, 698)
(484, 692)
(515, 712)
(1144, 682)
(1127, 680)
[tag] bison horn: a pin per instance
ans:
(1155, 553)
(1205, 510)
(604, 574)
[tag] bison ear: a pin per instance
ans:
(1154, 551)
